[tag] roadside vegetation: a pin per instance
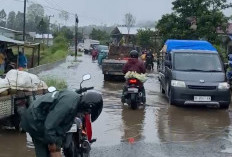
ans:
(60, 84)
(197, 20)
(57, 51)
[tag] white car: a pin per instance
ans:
(80, 47)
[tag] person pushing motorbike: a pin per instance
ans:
(49, 118)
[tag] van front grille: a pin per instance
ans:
(202, 87)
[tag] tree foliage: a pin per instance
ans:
(42, 27)
(145, 38)
(100, 35)
(35, 13)
(19, 21)
(2, 18)
(11, 20)
(64, 15)
(194, 19)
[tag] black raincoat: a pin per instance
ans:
(51, 116)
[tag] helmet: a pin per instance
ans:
(94, 102)
(134, 54)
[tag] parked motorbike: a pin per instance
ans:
(135, 93)
(78, 139)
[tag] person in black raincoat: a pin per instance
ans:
(48, 119)
(150, 59)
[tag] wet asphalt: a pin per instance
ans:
(156, 130)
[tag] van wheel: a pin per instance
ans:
(170, 98)
(162, 90)
(106, 77)
(225, 106)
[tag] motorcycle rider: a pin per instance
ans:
(94, 54)
(49, 118)
(150, 59)
(136, 65)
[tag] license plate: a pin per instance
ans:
(73, 128)
(133, 90)
(202, 98)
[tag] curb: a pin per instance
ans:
(45, 67)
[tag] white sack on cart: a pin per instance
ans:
(22, 80)
(4, 85)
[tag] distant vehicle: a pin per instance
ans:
(89, 44)
(191, 73)
(102, 53)
(80, 47)
(116, 59)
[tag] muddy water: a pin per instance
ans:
(157, 123)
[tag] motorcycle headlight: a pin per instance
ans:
(176, 83)
(223, 85)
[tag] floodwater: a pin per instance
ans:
(157, 129)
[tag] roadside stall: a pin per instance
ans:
(17, 88)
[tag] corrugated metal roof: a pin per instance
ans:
(10, 30)
(45, 36)
(9, 40)
(133, 30)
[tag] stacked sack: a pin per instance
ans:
(21, 80)
(131, 74)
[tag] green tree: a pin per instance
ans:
(68, 34)
(102, 36)
(3, 18)
(11, 20)
(35, 12)
(194, 19)
(64, 15)
(19, 21)
(144, 38)
(42, 28)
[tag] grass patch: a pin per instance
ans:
(60, 84)
(57, 51)
(72, 53)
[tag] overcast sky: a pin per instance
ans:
(100, 12)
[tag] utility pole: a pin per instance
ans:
(49, 17)
(24, 20)
(76, 30)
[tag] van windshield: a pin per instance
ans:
(197, 62)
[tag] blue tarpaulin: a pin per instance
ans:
(189, 44)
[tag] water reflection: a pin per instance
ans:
(132, 123)
(190, 124)
(13, 144)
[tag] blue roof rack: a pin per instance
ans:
(189, 44)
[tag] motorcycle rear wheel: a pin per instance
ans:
(133, 102)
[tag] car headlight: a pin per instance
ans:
(223, 85)
(176, 83)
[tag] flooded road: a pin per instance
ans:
(156, 130)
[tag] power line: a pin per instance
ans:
(60, 10)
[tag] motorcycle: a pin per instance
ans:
(78, 139)
(135, 93)
(149, 63)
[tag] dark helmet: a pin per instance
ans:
(94, 102)
(134, 54)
